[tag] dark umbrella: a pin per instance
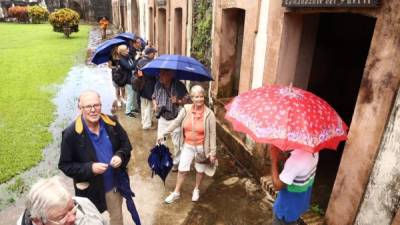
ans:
(123, 187)
(128, 36)
(103, 52)
(160, 161)
(186, 68)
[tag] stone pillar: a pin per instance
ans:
(377, 91)
(382, 195)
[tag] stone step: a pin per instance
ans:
(309, 218)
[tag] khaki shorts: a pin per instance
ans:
(187, 156)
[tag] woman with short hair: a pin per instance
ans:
(127, 66)
(113, 65)
(198, 142)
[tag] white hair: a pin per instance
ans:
(85, 93)
(197, 89)
(45, 194)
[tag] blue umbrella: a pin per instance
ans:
(186, 68)
(103, 52)
(160, 161)
(128, 36)
(124, 188)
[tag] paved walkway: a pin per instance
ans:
(228, 198)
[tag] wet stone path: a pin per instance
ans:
(228, 198)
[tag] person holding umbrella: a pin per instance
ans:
(169, 93)
(127, 66)
(198, 138)
(293, 120)
(168, 98)
(294, 184)
(113, 63)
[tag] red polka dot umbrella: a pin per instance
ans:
(287, 117)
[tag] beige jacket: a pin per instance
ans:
(210, 134)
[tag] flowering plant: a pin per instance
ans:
(19, 12)
(37, 14)
(64, 18)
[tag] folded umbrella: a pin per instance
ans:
(103, 52)
(160, 161)
(186, 68)
(123, 187)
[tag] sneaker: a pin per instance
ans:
(172, 197)
(196, 195)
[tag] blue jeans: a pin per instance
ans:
(131, 99)
(277, 221)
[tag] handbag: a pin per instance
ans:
(119, 77)
(137, 83)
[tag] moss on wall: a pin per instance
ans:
(201, 35)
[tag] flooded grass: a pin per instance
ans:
(31, 57)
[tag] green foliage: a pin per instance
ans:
(38, 14)
(201, 36)
(18, 186)
(315, 208)
(31, 59)
(64, 18)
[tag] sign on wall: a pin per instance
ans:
(330, 3)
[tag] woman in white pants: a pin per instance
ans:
(198, 138)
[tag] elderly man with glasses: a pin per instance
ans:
(49, 203)
(94, 149)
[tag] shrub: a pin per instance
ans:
(37, 14)
(19, 12)
(64, 18)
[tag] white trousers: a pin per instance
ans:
(146, 112)
(175, 135)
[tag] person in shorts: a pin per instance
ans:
(198, 141)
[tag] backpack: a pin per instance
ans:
(119, 77)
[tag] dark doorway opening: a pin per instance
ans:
(135, 17)
(340, 52)
(178, 32)
(161, 33)
(231, 52)
(151, 25)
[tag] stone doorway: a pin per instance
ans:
(333, 49)
(151, 25)
(135, 17)
(233, 20)
(161, 33)
(178, 31)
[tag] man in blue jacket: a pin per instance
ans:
(94, 148)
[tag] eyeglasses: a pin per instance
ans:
(89, 108)
(64, 219)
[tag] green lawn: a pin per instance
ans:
(32, 57)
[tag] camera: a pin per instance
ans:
(160, 111)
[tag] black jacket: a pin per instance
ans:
(78, 155)
(149, 81)
(128, 66)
